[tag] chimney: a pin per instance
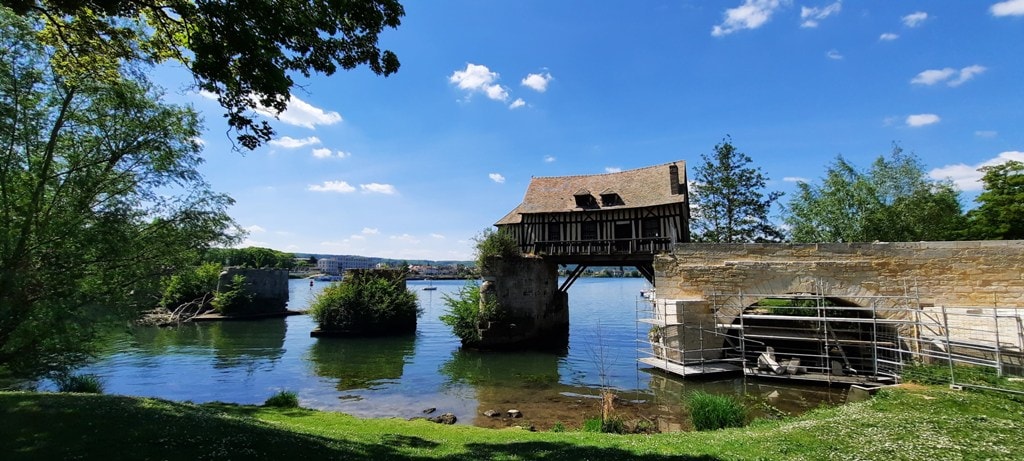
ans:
(673, 178)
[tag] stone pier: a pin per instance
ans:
(529, 309)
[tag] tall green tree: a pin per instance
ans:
(1000, 213)
(893, 201)
(246, 53)
(99, 197)
(729, 203)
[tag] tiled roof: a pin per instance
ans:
(642, 187)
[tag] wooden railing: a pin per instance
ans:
(649, 245)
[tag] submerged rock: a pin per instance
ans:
(447, 418)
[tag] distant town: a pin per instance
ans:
(309, 265)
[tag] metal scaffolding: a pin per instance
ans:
(866, 340)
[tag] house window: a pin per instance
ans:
(611, 199)
(554, 232)
(585, 201)
(588, 231)
(650, 228)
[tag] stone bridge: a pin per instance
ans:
(712, 284)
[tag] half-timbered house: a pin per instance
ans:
(612, 219)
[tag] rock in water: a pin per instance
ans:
(429, 410)
(491, 414)
(446, 418)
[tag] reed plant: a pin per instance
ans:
(283, 399)
(83, 384)
(710, 412)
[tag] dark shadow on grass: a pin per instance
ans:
(552, 451)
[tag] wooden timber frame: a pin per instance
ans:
(615, 219)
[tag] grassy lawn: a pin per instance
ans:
(925, 423)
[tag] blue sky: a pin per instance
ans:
(491, 93)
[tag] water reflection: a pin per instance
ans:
(233, 344)
(361, 363)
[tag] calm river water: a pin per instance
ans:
(247, 361)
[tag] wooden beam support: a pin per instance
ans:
(575, 274)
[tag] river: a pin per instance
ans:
(247, 361)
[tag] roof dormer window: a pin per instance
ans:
(611, 198)
(584, 199)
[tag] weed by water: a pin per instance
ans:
(709, 412)
(283, 399)
(86, 384)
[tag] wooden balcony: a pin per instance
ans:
(614, 249)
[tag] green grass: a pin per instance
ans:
(915, 423)
(709, 412)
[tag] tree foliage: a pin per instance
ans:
(729, 202)
(1000, 214)
(894, 201)
(99, 197)
(254, 257)
(245, 53)
(368, 304)
(495, 243)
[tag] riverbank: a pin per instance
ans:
(912, 423)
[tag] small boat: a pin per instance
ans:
(430, 286)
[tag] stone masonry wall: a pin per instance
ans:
(532, 309)
(268, 288)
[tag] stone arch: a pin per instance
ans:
(729, 305)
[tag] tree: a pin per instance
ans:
(99, 197)
(1000, 214)
(729, 205)
(894, 201)
(246, 53)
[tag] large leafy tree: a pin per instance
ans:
(730, 204)
(1000, 214)
(893, 201)
(99, 197)
(244, 52)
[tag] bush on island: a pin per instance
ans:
(371, 303)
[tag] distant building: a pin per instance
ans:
(329, 266)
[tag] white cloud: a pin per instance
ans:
(377, 188)
(795, 179)
(517, 103)
(370, 231)
(949, 75)
(437, 236)
(405, 238)
(834, 54)
(612, 169)
(255, 229)
(811, 16)
(357, 237)
(966, 74)
(549, 158)
(986, 133)
(322, 152)
(332, 186)
(918, 120)
(538, 82)
(750, 15)
(914, 19)
(933, 76)
(968, 178)
(301, 113)
(477, 78)
(292, 143)
(1008, 8)
(888, 37)
(199, 141)
(497, 178)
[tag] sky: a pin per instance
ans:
(491, 93)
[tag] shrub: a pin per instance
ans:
(465, 314)
(370, 304)
(558, 427)
(283, 399)
(592, 425)
(710, 412)
(85, 384)
(491, 243)
(190, 284)
(232, 298)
